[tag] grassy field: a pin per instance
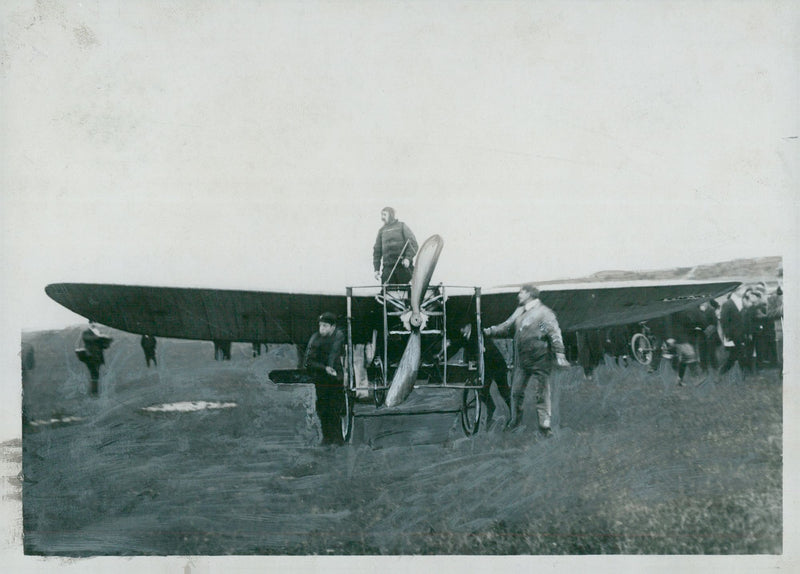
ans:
(637, 465)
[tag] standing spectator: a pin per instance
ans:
(710, 340)
(28, 361)
(394, 250)
(758, 326)
(617, 344)
(91, 354)
(735, 333)
(536, 335)
(323, 359)
(590, 351)
(222, 350)
(751, 320)
(148, 343)
(775, 326)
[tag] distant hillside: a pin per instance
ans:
(759, 268)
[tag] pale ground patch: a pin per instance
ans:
(57, 420)
(189, 406)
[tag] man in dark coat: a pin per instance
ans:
(617, 343)
(494, 365)
(775, 315)
(394, 250)
(91, 354)
(590, 351)
(760, 326)
(709, 342)
(732, 321)
(222, 350)
(323, 359)
(149, 347)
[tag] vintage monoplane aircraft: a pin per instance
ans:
(399, 332)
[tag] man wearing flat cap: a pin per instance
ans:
(323, 360)
(536, 336)
(394, 250)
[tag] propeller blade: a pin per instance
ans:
(427, 257)
(406, 374)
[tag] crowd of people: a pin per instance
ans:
(746, 328)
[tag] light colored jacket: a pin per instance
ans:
(531, 323)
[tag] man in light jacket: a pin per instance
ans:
(536, 336)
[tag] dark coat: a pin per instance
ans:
(148, 344)
(389, 245)
(325, 352)
(94, 344)
(590, 348)
(687, 324)
(731, 320)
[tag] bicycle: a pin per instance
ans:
(644, 345)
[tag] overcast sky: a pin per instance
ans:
(252, 144)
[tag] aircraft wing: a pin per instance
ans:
(203, 314)
(596, 306)
(275, 317)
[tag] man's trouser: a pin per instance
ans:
(708, 352)
(538, 374)
(94, 369)
(500, 376)
(401, 275)
(740, 352)
(330, 403)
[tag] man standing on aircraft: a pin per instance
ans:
(91, 354)
(323, 360)
(394, 250)
(536, 334)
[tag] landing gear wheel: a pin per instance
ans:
(470, 411)
(347, 415)
(642, 348)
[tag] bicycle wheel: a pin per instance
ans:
(642, 349)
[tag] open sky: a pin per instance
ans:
(252, 144)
